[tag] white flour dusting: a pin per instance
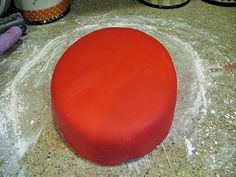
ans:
(13, 108)
(25, 100)
(189, 147)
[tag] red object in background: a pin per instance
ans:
(114, 94)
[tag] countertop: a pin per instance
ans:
(201, 39)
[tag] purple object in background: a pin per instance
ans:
(9, 38)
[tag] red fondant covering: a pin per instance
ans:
(114, 94)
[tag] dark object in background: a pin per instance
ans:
(41, 11)
(4, 6)
(226, 3)
(12, 20)
(165, 4)
(11, 29)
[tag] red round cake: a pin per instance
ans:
(114, 95)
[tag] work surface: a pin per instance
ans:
(201, 40)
